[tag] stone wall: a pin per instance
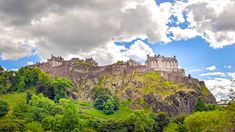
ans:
(161, 63)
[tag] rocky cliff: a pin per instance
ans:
(148, 90)
(172, 92)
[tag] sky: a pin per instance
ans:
(200, 33)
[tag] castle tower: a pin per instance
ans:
(161, 63)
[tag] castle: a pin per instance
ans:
(76, 68)
(161, 63)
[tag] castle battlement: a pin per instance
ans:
(89, 67)
(162, 63)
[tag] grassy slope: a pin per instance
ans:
(123, 111)
(148, 82)
(15, 98)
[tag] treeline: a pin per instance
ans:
(50, 109)
(42, 114)
(19, 81)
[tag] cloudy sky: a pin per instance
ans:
(201, 33)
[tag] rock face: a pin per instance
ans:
(149, 90)
(169, 91)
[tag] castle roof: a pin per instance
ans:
(163, 58)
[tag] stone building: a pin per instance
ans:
(132, 63)
(161, 63)
(91, 61)
(55, 61)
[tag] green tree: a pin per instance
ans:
(49, 123)
(109, 107)
(42, 102)
(1, 69)
(33, 127)
(161, 120)
(138, 125)
(207, 121)
(141, 118)
(97, 91)
(4, 108)
(28, 97)
(70, 119)
(60, 85)
(21, 85)
(200, 105)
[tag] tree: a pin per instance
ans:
(42, 102)
(139, 126)
(1, 69)
(97, 91)
(109, 107)
(141, 119)
(104, 100)
(60, 85)
(162, 120)
(70, 119)
(208, 121)
(49, 123)
(28, 97)
(21, 85)
(4, 108)
(34, 127)
(200, 105)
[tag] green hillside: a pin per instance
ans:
(31, 100)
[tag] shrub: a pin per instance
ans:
(34, 127)
(4, 108)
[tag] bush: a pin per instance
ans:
(4, 108)
(34, 127)
(204, 121)
(104, 100)
(109, 107)
(202, 106)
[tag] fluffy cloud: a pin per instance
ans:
(213, 20)
(183, 34)
(211, 68)
(30, 63)
(220, 87)
(232, 74)
(74, 27)
(112, 53)
(213, 74)
(229, 66)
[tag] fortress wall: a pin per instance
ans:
(178, 78)
(63, 71)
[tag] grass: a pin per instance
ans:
(204, 90)
(15, 98)
(123, 112)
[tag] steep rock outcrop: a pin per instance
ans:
(148, 90)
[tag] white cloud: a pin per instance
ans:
(213, 74)
(30, 63)
(183, 34)
(73, 27)
(220, 87)
(232, 74)
(77, 27)
(213, 20)
(112, 53)
(211, 68)
(229, 66)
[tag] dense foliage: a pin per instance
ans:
(4, 108)
(104, 100)
(50, 109)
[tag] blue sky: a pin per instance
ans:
(203, 43)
